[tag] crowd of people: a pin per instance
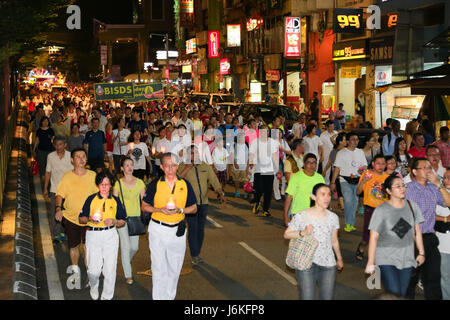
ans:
(112, 160)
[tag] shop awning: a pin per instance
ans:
(435, 108)
(422, 86)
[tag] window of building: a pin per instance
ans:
(157, 9)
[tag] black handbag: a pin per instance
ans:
(351, 180)
(134, 224)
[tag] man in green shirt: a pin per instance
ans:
(298, 192)
(199, 174)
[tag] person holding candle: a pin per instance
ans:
(166, 230)
(102, 212)
(370, 183)
(138, 151)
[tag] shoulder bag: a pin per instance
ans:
(134, 224)
(301, 251)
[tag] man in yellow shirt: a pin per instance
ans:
(168, 199)
(371, 184)
(74, 187)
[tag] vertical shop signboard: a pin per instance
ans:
(213, 44)
(292, 38)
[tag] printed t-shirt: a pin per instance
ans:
(373, 189)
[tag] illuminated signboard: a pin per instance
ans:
(233, 35)
(349, 21)
(191, 46)
(381, 50)
(186, 12)
(292, 37)
(254, 23)
(224, 66)
(392, 20)
(350, 50)
(213, 44)
(272, 75)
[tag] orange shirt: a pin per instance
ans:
(373, 190)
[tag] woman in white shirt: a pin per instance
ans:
(313, 144)
(138, 151)
(282, 152)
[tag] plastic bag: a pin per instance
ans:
(34, 168)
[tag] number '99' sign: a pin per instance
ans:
(348, 21)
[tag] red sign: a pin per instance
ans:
(292, 37)
(224, 66)
(272, 75)
(213, 44)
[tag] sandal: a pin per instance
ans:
(359, 253)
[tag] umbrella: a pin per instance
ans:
(435, 108)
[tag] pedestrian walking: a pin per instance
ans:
(95, 145)
(323, 225)
(102, 213)
(43, 144)
(58, 163)
(74, 187)
(394, 229)
(425, 190)
(199, 175)
(132, 191)
(168, 199)
(120, 141)
(349, 165)
(371, 184)
(138, 151)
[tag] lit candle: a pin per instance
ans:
(153, 150)
(131, 145)
(97, 216)
(163, 149)
(171, 204)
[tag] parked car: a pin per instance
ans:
(268, 112)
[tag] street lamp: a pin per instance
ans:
(166, 40)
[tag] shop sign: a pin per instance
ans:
(113, 91)
(186, 12)
(381, 50)
(351, 71)
(348, 21)
(383, 75)
(146, 92)
(254, 23)
(213, 44)
(224, 66)
(292, 37)
(350, 50)
(186, 69)
(272, 75)
(191, 46)
(233, 35)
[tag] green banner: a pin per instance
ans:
(146, 92)
(113, 91)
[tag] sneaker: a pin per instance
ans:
(266, 214)
(256, 208)
(94, 293)
(420, 285)
(353, 228)
(348, 228)
(196, 260)
(129, 281)
(237, 194)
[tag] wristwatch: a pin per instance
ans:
(181, 210)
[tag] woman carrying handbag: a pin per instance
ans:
(130, 190)
(394, 227)
(321, 226)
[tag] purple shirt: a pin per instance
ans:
(426, 198)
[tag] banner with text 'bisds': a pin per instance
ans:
(113, 91)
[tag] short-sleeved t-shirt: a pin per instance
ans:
(373, 189)
(349, 162)
(391, 249)
(322, 231)
(312, 145)
(300, 187)
(138, 154)
(45, 139)
(219, 157)
(109, 208)
(95, 141)
(158, 194)
(75, 190)
(57, 168)
(131, 197)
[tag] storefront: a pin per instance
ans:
(350, 59)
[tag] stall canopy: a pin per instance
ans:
(435, 108)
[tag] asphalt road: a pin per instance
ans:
(244, 259)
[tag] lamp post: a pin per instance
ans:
(166, 40)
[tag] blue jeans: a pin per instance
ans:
(351, 201)
(445, 275)
(196, 229)
(395, 280)
(323, 277)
